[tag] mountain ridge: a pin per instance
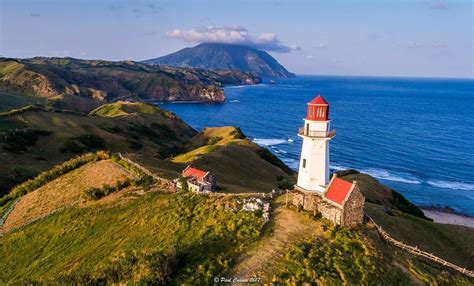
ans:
(218, 56)
(107, 81)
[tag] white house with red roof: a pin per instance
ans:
(336, 199)
(198, 180)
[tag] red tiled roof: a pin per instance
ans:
(338, 190)
(319, 100)
(193, 172)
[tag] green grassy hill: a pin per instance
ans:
(151, 238)
(143, 236)
(106, 81)
(36, 139)
(239, 164)
(184, 238)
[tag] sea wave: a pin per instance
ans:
(292, 163)
(234, 101)
(451, 185)
(390, 176)
(337, 167)
(235, 86)
(269, 141)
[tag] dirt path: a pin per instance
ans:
(289, 227)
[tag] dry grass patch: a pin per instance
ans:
(64, 191)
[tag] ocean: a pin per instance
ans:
(414, 135)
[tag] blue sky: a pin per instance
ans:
(380, 38)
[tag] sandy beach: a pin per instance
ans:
(442, 216)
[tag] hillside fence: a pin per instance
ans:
(415, 251)
(5, 216)
(166, 182)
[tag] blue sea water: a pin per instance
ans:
(415, 135)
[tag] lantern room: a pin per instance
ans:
(318, 109)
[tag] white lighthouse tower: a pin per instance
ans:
(313, 174)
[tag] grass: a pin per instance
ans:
(450, 242)
(239, 164)
(48, 176)
(64, 191)
(11, 101)
(124, 108)
(120, 134)
(209, 140)
(377, 193)
(78, 244)
(240, 169)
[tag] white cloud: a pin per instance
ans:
(232, 35)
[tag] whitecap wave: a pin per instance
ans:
(268, 141)
(234, 101)
(235, 86)
(336, 167)
(292, 163)
(386, 175)
(290, 140)
(451, 185)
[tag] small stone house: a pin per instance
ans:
(341, 202)
(198, 180)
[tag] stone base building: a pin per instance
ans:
(198, 181)
(341, 202)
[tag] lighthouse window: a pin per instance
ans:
(304, 163)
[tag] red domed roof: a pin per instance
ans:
(319, 100)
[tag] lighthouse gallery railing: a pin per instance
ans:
(316, 134)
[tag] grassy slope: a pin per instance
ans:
(159, 134)
(209, 140)
(407, 223)
(84, 241)
(11, 101)
(358, 257)
(451, 242)
(378, 193)
(239, 164)
(64, 191)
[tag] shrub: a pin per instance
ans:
(20, 140)
(145, 182)
(238, 134)
(214, 140)
(82, 143)
(98, 193)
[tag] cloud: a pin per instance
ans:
(35, 15)
(439, 5)
(232, 35)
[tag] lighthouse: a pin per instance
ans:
(313, 174)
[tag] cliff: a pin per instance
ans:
(106, 81)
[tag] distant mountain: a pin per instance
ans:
(215, 56)
(106, 81)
